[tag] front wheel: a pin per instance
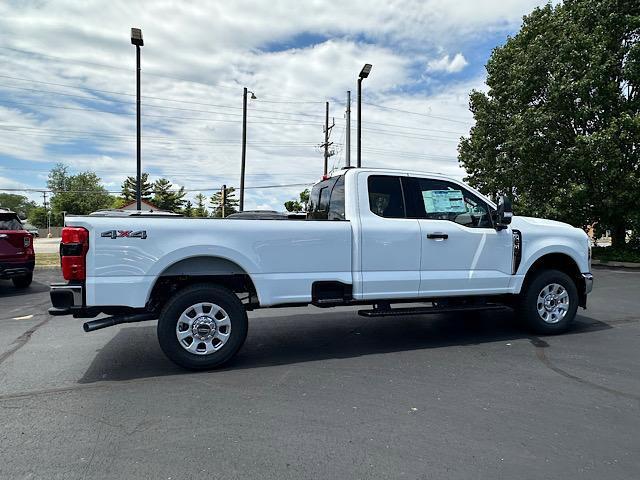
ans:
(202, 326)
(549, 302)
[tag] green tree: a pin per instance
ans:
(200, 210)
(17, 203)
(38, 217)
(165, 197)
(559, 127)
(187, 211)
(230, 205)
(78, 194)
(300, 205)
(129, 188)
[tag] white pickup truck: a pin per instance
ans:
(371, 237)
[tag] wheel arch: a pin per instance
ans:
(557, 261)
(201, 269)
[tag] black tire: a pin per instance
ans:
(192, 295)
(528, 302)
(23, 281)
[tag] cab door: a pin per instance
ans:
(462, 253)
(388, 242)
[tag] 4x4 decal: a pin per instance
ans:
(113, 234)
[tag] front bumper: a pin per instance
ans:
(584, 289)
(588, 283)
(16, 269)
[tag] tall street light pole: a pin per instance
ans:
(364, 73)
(136, 39)
(244, 143)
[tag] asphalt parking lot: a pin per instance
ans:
(326, 394)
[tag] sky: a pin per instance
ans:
(67, 87)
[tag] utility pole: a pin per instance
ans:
(348, 132)
(46, 208)
(224, 199)
(326, 144)
(244, 147)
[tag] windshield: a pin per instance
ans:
(10, 221)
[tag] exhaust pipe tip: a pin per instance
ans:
(117, 320)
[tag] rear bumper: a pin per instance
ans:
(66, 298)
(16, 269)
(70, 299)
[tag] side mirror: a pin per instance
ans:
(505, 211)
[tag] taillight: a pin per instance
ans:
(73, 253)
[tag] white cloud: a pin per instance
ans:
(221, 47)
(445, 64)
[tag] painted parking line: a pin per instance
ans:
(25, 317)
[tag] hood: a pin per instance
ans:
(544, 227)
(518, 222)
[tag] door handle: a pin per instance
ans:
(437, 236)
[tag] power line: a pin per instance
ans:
(166, 99)
(40, 190)
(72, 135)
(291, 122)
(114, 67)
(408, 135)
(354, 122)
(70, 86)
(142, 96)
(280, 112)
(416, 113)
(171, 174)
(151, 73)
(184, 79)
(260, 100)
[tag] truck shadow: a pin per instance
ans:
(7, 289)
(134, 351)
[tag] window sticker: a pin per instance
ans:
(443, 201)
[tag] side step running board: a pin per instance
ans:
(390, 312)
(330, 302)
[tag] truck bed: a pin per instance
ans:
(127, 254)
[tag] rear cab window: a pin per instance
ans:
(386, 197)
(10, 221)
(326, 201)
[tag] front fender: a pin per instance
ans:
(538, 248)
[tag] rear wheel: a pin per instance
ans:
(549, 302)
(202, 326)
(23, 281)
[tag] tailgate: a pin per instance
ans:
(14, 244)
(14, 240)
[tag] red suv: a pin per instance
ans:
(17, 257)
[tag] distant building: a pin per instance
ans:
(146, 206)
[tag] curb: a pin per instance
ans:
(46, 267)
(605, 263)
